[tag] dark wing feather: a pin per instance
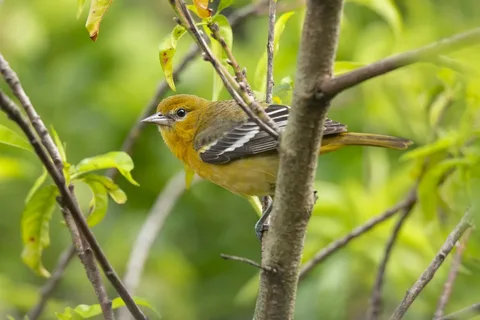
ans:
(249, 139)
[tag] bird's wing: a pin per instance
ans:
(249, 139)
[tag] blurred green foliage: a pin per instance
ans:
(93, 92)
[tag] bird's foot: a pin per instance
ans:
(261, 226)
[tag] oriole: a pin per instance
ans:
(220, 143)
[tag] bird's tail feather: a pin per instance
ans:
(334, 142)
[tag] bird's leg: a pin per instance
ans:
(261, 225)
(315, 196)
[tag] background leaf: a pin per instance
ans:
(167, 51)
(98, 204)
(89, 311)
(118, 160)
(113, 189)
(95, 17)
(35, 227)
(11, 138)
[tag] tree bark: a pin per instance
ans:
(283, 244)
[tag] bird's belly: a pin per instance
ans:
(255, 176)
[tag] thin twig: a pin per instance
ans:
(237, 90)
(452, 275)
(323, 254)
(375, 307)
(84, 253)
(272, 6)
(236, 18)
(249, 262)
(51, 283)
(70, 202)
(464, 314)
(332, 87)
(428, 274)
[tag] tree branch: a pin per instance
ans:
(326, 252)
(248, 261)
(428, 274)
(334, 86)
(452, 275)
(84, 253)
(375, 307)
(283, 243)
(272, 7)
(464, 314)
(69, 200)
(238, 90)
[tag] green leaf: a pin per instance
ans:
(37, 184)
(261, 70)
(387, 9)
(80, 6)
(117, 159)
(345, 66)
(89, 311)
(167, 51)
(113, 189)
(35, 227)
(226, 32)
(98, 204)
(256, 204)
(11, 138)
(59, 144)
(223, 5)
(428, 188)
(95, 17)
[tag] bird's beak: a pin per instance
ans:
(158, 119)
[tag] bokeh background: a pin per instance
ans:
(92, 94)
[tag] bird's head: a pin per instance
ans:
(177, 116)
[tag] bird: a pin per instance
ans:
(219, 142)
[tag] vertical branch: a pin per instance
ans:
(428, 274)
(272, 6)
(452, 275)
(283, 244)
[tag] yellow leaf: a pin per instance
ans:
(95, 16)
(202, 8)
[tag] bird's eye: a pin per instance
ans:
(181, 113)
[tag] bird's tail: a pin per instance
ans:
(337, 141)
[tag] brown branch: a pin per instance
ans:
(338, 84)
(248, 261)
(428, 274)
(69, 201)
(464, 314)
(52, 282)
(272, 6)
(84, 253)
(294, 198)
(237, 90)
(452, 275)
(326, 252)
(376, 302)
